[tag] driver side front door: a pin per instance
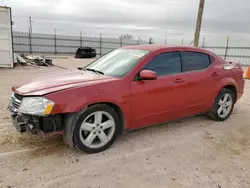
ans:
(156, 101)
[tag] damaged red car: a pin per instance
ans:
(128, 88)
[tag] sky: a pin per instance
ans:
(159, 19)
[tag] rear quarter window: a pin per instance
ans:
(194, 61)
(212, 59)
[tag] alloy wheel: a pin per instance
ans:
(225, 105)
(97, 129)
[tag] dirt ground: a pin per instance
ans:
(195, 152)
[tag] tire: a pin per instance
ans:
(220, 106)
(96, 129)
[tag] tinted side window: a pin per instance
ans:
(195, 61)
(164, 64)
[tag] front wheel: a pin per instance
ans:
(223, 105)
(96, 129)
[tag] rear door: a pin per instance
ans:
(6, 53)
(218, 71)
(196, 67)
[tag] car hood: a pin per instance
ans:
(52, 82)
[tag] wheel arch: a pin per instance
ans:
(227, 83)
(70, 120)
(233, 89)
(118, 110)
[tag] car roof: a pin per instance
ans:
(154, 47)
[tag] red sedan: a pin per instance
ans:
(128, 88)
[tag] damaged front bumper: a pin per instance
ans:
(45, 126)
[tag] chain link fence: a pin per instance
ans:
(25, 42)
(236, 49)
(231, 52)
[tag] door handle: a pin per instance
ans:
(178, 80)
(215, 74)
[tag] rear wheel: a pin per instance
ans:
(223, 105)
(96, 129)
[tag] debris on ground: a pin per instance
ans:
(33, 61)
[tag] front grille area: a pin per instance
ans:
(15, 102)
(19, 97)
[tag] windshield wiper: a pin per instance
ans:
(94, 70)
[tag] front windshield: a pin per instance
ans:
(118, 62)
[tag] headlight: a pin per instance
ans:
(36, 106)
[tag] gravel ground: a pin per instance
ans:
(195, 152)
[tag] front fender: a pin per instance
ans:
(69, 101)
(96, 96)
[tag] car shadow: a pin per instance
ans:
(54, 145)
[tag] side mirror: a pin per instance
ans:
(147, 75)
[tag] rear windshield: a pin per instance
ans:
(118, 62)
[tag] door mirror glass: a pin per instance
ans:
(147, 75)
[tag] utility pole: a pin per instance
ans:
(166, 22)
(81, 38)
(139, 39)
(225, 57)
(121, 40)
(198, 23)
(30, 25)
(30, 32)
(203, 42)
(100, 44)
(55, 41)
